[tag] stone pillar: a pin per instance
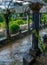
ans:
(35, 7)
(27, 11)
(34, 51)
(36, 28)
(6, 15)
(28, 20)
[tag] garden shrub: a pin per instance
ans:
(21, 22)
(14, 28)
(1, 18)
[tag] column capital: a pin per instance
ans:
(35, 7)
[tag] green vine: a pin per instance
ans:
(41, 44)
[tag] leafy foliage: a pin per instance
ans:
(41, 45)
(1, 18)
(14, 27)
(44, 18)
(21, 22)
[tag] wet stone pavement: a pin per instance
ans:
(13, 54)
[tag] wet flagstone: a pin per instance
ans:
(13, 54)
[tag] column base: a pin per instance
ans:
(28, 59)
(34, 52)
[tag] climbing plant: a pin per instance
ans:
(41, 44)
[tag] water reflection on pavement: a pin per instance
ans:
(14, 53)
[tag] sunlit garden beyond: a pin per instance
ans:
(23, 32)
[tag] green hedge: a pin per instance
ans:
(2, 18)
(44, 18)
(14, 28)
(21, 22)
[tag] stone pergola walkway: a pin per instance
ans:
(13, 54)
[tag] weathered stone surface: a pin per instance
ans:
(34, 52)
(28, 59)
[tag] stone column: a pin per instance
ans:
(34, 51)
(36, 28)
(28, 20)
(35, 7)
(6, 15)
(27, 11)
